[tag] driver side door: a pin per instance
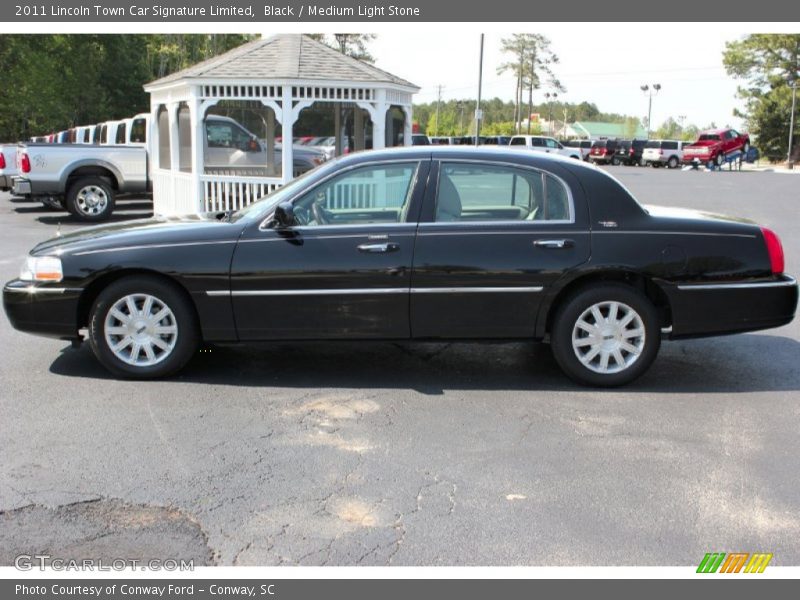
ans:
(343, 270)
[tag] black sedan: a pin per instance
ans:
(413, 244)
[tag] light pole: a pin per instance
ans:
(650, 92)
(550, 99)
(789, 162)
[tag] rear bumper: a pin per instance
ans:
(704, 309)
(48, 310)
(21, 187)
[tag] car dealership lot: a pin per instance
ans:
(379, 453)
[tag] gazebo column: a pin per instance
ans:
(337, 128)
(379, 121)
(271, 141)
(287, 133)
(174, 137)
(407, 126)
(196, 121)
(152, 135)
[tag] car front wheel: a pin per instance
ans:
(143, 327)
(606, 335)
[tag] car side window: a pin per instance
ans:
(551, 143)
(139, 131)
(371, 194)
(469, 192)
(120, 139)
(221, 134)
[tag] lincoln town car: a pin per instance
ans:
(415, 244)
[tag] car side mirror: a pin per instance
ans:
(284, 214)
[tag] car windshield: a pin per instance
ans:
(262, 207)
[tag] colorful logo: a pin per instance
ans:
(734, 562)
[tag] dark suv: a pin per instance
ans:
(604, 152)
(629, 152)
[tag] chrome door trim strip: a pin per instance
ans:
(650, 232)
(739, 286)
(361, 291)
(476, 290)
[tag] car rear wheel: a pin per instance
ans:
(672, 162)
(143, 327)
(615, 161)
(90, 199)
(605, 335)
(718, 159)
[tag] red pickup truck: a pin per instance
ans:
(714, 145)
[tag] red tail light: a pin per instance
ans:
(774, 249)
(25, 163)
(2, 161)
(630, 151)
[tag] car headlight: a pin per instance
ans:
(41, 268)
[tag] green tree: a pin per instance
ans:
(531, 62)
(768, 64)
(351, 44)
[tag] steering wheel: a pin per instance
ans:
(321, 216)
(302, 216)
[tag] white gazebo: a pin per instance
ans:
(285, 73)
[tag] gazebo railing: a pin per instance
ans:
(232, 192)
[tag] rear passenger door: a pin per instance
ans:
(492, 238)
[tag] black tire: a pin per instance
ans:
(574, 307)
(673, 162)
(91, 199)
(615, 161)
(719, 159)
(182, 318)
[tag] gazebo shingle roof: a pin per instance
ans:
(285, 56)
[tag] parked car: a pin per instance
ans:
(420, 139)
(664, 152)
(604, 152)
(495, 140)
(462, 243)
(539, 143)
(714, 145)
(585, 146)
(83, 179)
(8, 166)
(629, 152)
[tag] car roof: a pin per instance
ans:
(489, 153)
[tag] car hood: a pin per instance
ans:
(157, 230)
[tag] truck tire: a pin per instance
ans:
(90, 199)
(718, 159)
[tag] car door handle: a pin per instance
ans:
(554, 243)
(379, 248)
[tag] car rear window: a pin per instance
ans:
(709, 137)
(653, 145)
(669, 145)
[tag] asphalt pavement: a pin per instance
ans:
(433, 454)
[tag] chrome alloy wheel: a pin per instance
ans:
(141, 330)
(608, 337)
(91, 200)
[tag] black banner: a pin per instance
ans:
(247, 11)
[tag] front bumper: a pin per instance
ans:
(50, 310)
(703, 309)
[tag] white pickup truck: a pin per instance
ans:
(8, 166)
(86, 178)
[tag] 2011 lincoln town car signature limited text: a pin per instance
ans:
(413, 244)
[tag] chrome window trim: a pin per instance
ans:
(264, 225)
(365, 291)
(571, 200)
(789, 282)
(332, 236)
